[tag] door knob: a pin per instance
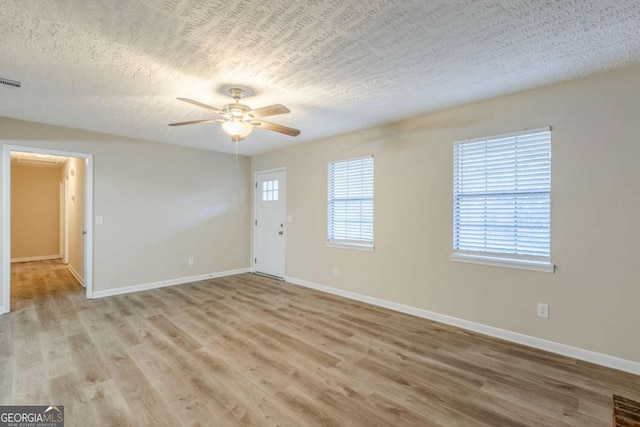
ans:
(280, 233)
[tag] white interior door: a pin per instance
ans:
(270, 211)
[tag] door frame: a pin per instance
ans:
(65, 223)
(6, 217)
(61, 225)
(282, 169)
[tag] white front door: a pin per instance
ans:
(269, 223)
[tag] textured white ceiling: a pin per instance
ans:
(116, 66)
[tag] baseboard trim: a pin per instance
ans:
(36, 258)
(539, 343)
(2, 309)
(75, 274)
(165, 283)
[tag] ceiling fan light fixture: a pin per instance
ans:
(239, 119)
(236, 129)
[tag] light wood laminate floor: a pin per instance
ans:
(249, 350)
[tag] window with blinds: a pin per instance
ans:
(350, 202)
(501, 198)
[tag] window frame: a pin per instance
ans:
(362, 245)
(498, 259)
(270, 191)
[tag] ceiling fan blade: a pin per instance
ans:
(200, 104)
(277, 128)
(270, 110)
(193, 122)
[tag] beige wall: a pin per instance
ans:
(35, 211)
(593, 295)
(161, 204)
(74, 172)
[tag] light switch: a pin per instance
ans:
(289, 218)
(99, 219)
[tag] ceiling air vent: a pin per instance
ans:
(11, 83)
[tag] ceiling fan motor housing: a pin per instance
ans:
(236, 110)
(236, 93)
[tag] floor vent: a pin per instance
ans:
(10, 83)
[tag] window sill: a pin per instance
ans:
(356, 246)
(504, 262)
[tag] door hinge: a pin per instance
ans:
(256, 185)
(256, 222)
(255, 260)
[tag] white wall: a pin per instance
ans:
(595, 292)
(35, 211)
(161, 204)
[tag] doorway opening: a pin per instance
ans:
(47, 204)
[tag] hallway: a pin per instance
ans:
(39, 285)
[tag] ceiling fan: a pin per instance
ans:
(239, 120)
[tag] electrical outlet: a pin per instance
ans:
(190, 261)
(543, 310)
(336, 271)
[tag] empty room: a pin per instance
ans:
(319, 213)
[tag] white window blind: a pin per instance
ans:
(350, 202)
(501, 197)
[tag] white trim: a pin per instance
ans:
(366, 156)
(165, 283)
(65, 222)
(61, 218)
(75, 274)
(345, 245)
(539, 343)
(503, 262)
(88, 226)
(505, 135)
(6, 229)
(6, 216)
(282, 168)
(36, 258)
